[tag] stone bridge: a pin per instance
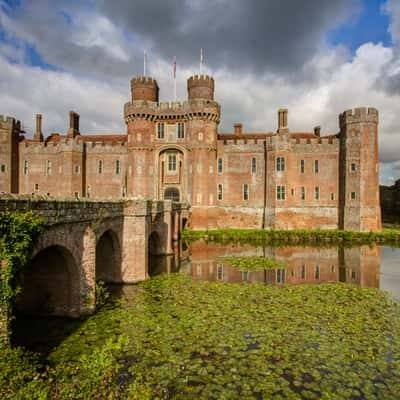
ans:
(87, 241)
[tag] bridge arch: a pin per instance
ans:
(51, 284)
(108, 257)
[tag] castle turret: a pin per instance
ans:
(10, 130)
(200, 87)
(359, 207)
(144, 88)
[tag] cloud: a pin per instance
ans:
(262, 57)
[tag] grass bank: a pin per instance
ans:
(298, 236)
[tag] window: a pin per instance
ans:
(280, 192)
(36, 186)
(219, 190)
(77, 169)
(292, 191)
(100, 166)
(25, 167)
(353, 167)
(117, 167)
(316, 166)
(245, 191)
(317, 272)
(220, 272)
(303, 271)
(220, 165)
(302, 166)
(161, 128)
(332, 196)
(316, 192)
(303, 193)
(281, 275)
(280, 163)
(253, 165)
(181, 130)
(48, 167)
(353, 195)
(3, 168)
(245, 275)
(172, 162)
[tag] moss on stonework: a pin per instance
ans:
(297, 236)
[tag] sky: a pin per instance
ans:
(315, 57)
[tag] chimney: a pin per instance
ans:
(73, 124)
(317, 130)
(283, 120)
(238, 129)
(38, 136)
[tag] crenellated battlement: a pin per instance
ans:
(197, 80)
(151, 110)
(144, 80)
(357, 115)
(8, 122)
(51, 147)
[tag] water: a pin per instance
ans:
(186, 339)
(367, 266)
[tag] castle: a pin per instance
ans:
(280, 180)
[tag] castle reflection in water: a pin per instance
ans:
(305, 265)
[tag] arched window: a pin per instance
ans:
(171, 194)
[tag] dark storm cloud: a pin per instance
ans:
(259, 35)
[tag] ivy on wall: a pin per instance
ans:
(18, 231)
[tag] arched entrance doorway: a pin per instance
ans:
(171, 193)
(51, 284)
(108, 257)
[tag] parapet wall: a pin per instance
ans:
(361, 114)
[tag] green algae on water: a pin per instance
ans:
(173, 337)
(252, 263)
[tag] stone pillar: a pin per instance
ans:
(168, 221)
(177, 228)
(135, 241)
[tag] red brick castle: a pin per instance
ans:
(279, 179)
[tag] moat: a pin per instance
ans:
(200, 328)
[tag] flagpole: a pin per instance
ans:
(174, 66)
(201, 60)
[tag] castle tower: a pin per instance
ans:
(359, 207)
(10, 130)
(140, 117)
(144, 88)
(202, 128)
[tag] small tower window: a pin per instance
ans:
(48, 167)
(117, 167)
(353, 167)
(332, 196)
(302, 166)
(100, 166)
(3, 168)
(171, 162)
(36, 186)
(245, 192)
(253, 165)
(303, 193)
(219, 191)
(26, 166)
(77, 169)
(220, 165)
(161, 130)
(280, 192)
(316, 166)
(280, 163)
(353, 195)
(181, 130)
(317, 193)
